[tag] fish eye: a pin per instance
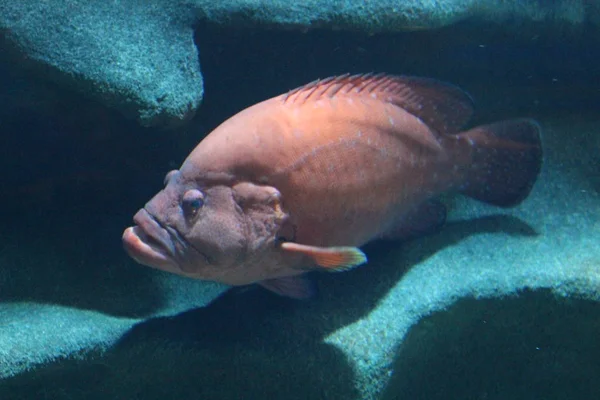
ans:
(192, 201)
(169, 176)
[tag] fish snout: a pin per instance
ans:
(154, 230)
(149, 243)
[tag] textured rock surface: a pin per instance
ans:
(389, 15)
(133, 56)
(40, 331)
(139, 56)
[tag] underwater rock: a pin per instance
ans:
(132, 56)
(140, 57)
(387, 15)
(534, 345)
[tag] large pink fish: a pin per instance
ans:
(300, 181)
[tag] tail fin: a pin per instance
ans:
(507, 159)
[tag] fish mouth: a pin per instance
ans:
(149, 243)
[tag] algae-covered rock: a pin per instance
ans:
(140, 58)
(134, 56)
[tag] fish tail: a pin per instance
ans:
(506, 161)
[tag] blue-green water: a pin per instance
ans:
(500, 304)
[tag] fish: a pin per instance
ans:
(301, 181)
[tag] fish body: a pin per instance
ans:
(301, 181)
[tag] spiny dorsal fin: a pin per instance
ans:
(442, 106)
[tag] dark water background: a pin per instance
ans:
(76, 172)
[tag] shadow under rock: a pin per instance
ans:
(357, 292)
(76, 261)
(233, 349)
(77, 174)
(531, 346)
(263, 341)
(249, 343)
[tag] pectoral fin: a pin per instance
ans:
(332, 259)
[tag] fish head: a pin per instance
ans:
(212, 229)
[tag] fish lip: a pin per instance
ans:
(152, 242)
(149, 243)
(154, 233)
(140, 249)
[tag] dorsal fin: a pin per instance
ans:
(442, 106)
